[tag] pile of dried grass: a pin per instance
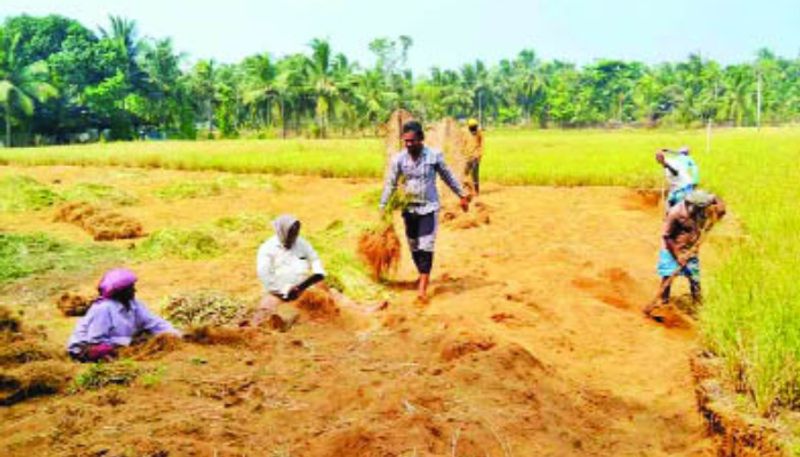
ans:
(379, 246)
(71, 304)
(103, 225)
(33, 380)
(28, 367)
(152, 347)
(318, 304)
(204, 307)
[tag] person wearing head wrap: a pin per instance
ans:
(681, 173)
(683, 227)
(113, 319)
(473, 150)
(286, 263)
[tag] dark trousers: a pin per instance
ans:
(419, 226)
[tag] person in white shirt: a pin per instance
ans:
(286, 264)
(681, 173)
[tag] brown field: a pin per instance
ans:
(532, 343)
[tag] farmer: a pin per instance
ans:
(686, 222)
(113, 320)
(287, 265)
(473, 150)
(681, 173)
(418, 165)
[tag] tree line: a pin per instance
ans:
(61, 82)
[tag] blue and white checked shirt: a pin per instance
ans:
(420, 182)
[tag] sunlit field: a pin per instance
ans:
(751, 316)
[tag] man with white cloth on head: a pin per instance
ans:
(286, 263)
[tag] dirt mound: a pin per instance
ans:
(380, 249)
(102, 224)
(72, 304)
(199, 308)
(736, 433)
(152, 348)
(318, 304)
(479, 214)
(226, 336)
(463, 344)
(613, 286)
(644, 199)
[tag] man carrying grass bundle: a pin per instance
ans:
(419, 165)
(684, 228)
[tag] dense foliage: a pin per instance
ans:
(61, 82)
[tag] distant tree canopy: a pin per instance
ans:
(60, 81)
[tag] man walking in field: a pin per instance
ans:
(681, 173)
(473, 150)
(686, 224)
(419, 165)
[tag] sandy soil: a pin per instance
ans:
(532, 343)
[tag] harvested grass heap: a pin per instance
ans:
(33, 380)
(9, 323)
(204, 307)
(103, 225)
(379, 246)
(318, 304)
(392, 131)
(73, 305)
(152, 348)
(99, 193)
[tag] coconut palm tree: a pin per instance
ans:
(20, 85)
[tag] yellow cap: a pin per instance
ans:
(472, 122)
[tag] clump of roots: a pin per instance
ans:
(71, 304)
(102, 224)
(379, 246)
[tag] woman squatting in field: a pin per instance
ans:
(113, 320)
(419, 164)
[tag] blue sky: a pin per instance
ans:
(449, 33)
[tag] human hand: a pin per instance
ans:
(660, 157)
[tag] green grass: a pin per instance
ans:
(191, 244)
(99, 193)
(188, 189)
(752, 313)
(23, 255)
(23, 193)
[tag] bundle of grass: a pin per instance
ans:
(450, 138)
(33, 380)
(185, 244)
(204, 307)
(22, 348)
(102, 224)
(8, 322)
(318, 304)
(379, 246)
(99, 375)
(23, 193)
(152, 347)
(73, 305)
(189, 189)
